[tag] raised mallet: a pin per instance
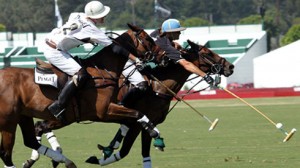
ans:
(278, 125)
(213, 123)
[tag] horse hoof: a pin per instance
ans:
(71, 165)
(28, 163)
(54, 164)
(92, 160)
(107, 151)
(100, 147)
(159, 143)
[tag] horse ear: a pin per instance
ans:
(192, 44)
(133, 28)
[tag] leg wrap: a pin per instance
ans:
(56, 156)
(148, 126)
(113, 158)
(115, 143)
(52, 140)
(10, 166)
(34, 154)
(147, 162)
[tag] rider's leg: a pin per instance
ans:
(65, 62)
(67, 92)
(134, 94)
(137, 80)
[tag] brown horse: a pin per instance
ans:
(173, 76)
(21, 99)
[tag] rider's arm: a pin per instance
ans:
(191, 67)
(194, 69)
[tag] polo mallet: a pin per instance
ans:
(278, 125)
(213, 124)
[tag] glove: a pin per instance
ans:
(208, 79)
(146, 67)
(217, 80)
(139, 64)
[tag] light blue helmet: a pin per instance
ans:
(171, 25)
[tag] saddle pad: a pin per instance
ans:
(45, 78)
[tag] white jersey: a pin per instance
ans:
(77, 31)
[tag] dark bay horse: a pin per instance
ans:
(21, 99)
(157, 102)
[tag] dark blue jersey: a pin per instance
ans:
(165, 44)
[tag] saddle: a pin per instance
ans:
(44, 74)
(47, 74)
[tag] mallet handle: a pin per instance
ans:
(180, 99)
(248, 105)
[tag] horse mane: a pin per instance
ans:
(189, 54)
(124, 40)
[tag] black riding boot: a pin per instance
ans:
(134, 94)
(58, 107)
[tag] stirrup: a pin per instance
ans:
(56, 110)
(57, 115)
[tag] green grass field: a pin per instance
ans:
(242, 139)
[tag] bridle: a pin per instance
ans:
(150, 53)
(216, 67)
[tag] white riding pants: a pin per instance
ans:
(134, 76)
(62, 60)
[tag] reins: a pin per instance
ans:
(216, 68)
(188, 92)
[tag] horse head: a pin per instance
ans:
(135, 40)
(146, 49)
(207, 60)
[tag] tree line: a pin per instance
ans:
(38, 15)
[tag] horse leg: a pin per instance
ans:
(118, 112)
(45, 127)
(115, 143)
(41, 127)
(129, 139)
(54, 145)
(146, 143)
(27, 129)
(7, 143)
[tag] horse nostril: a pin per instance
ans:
(231, 67)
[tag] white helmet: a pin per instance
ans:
(96, 10)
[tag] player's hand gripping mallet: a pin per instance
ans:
(213, 123)
(278, 125)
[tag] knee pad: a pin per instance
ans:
(82, 76)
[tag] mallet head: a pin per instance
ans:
(213, 124)
(289, 135)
